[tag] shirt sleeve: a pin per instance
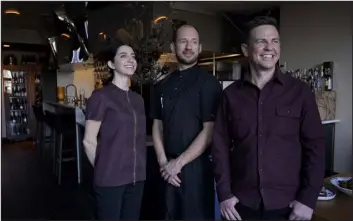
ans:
(220, 150)
(313, 147)
(156, 106)
(210, 96)
(96, 106)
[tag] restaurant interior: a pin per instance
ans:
(51, 65)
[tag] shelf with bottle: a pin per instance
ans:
(101, 73)
(319, 78)
(28, 59)
(18, 121)
(38, 89)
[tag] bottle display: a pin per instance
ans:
(18, 106)
(319, 78)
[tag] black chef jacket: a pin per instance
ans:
(184, 101)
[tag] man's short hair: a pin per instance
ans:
(175, 33)
(259, 21)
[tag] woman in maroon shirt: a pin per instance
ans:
(114, 140)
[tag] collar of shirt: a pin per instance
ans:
(277, 77)
(186, 71)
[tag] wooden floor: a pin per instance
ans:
(29, 190)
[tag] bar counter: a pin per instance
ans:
(339, 208)
(79, 115)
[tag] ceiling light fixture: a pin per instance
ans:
(12, 11)
(159, 18)
(6, 46)
(65, 35)
(103, 35)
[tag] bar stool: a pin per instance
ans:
(39, 128)
(65, 128)
(50, 122)
(40, 138)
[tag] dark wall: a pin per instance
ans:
(49, 84)
(233, 34)
(110, 18)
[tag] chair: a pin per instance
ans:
(40, 139)
(65, 128)
(50, 122)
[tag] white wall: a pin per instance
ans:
(82, 79)
(314, 32)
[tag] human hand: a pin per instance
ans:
(228, 210)
(175, 181)
(170, 170)
(300, 211)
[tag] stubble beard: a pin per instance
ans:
(183, 61)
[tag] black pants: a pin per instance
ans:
(247, 213)
(119, 203)
(194, 199)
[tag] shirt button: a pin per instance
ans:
(175, 88)
(262, 190)
(261, 102)
(261, 169)
(260, 135)
(260, 152)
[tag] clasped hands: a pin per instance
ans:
(170, 170)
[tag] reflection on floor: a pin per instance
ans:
(29, 190)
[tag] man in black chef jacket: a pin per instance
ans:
(183, 109)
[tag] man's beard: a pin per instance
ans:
(182, 60)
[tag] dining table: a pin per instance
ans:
(339, 208)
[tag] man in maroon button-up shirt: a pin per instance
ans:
(268, 143)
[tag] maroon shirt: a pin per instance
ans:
(121, 151)
(269, 145)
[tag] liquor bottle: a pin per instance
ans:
(21, 105)
(20, 78)
(14, 119)
(24, 118)
(14, 77)
(328, 82)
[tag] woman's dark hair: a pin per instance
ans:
(108, 55)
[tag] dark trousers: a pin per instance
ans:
(119, 203)
(194, 199)
(247, 213)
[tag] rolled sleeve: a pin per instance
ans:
(313, 147)
(210, 96)
(156, 105)
(220, 150)
(96, 106)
